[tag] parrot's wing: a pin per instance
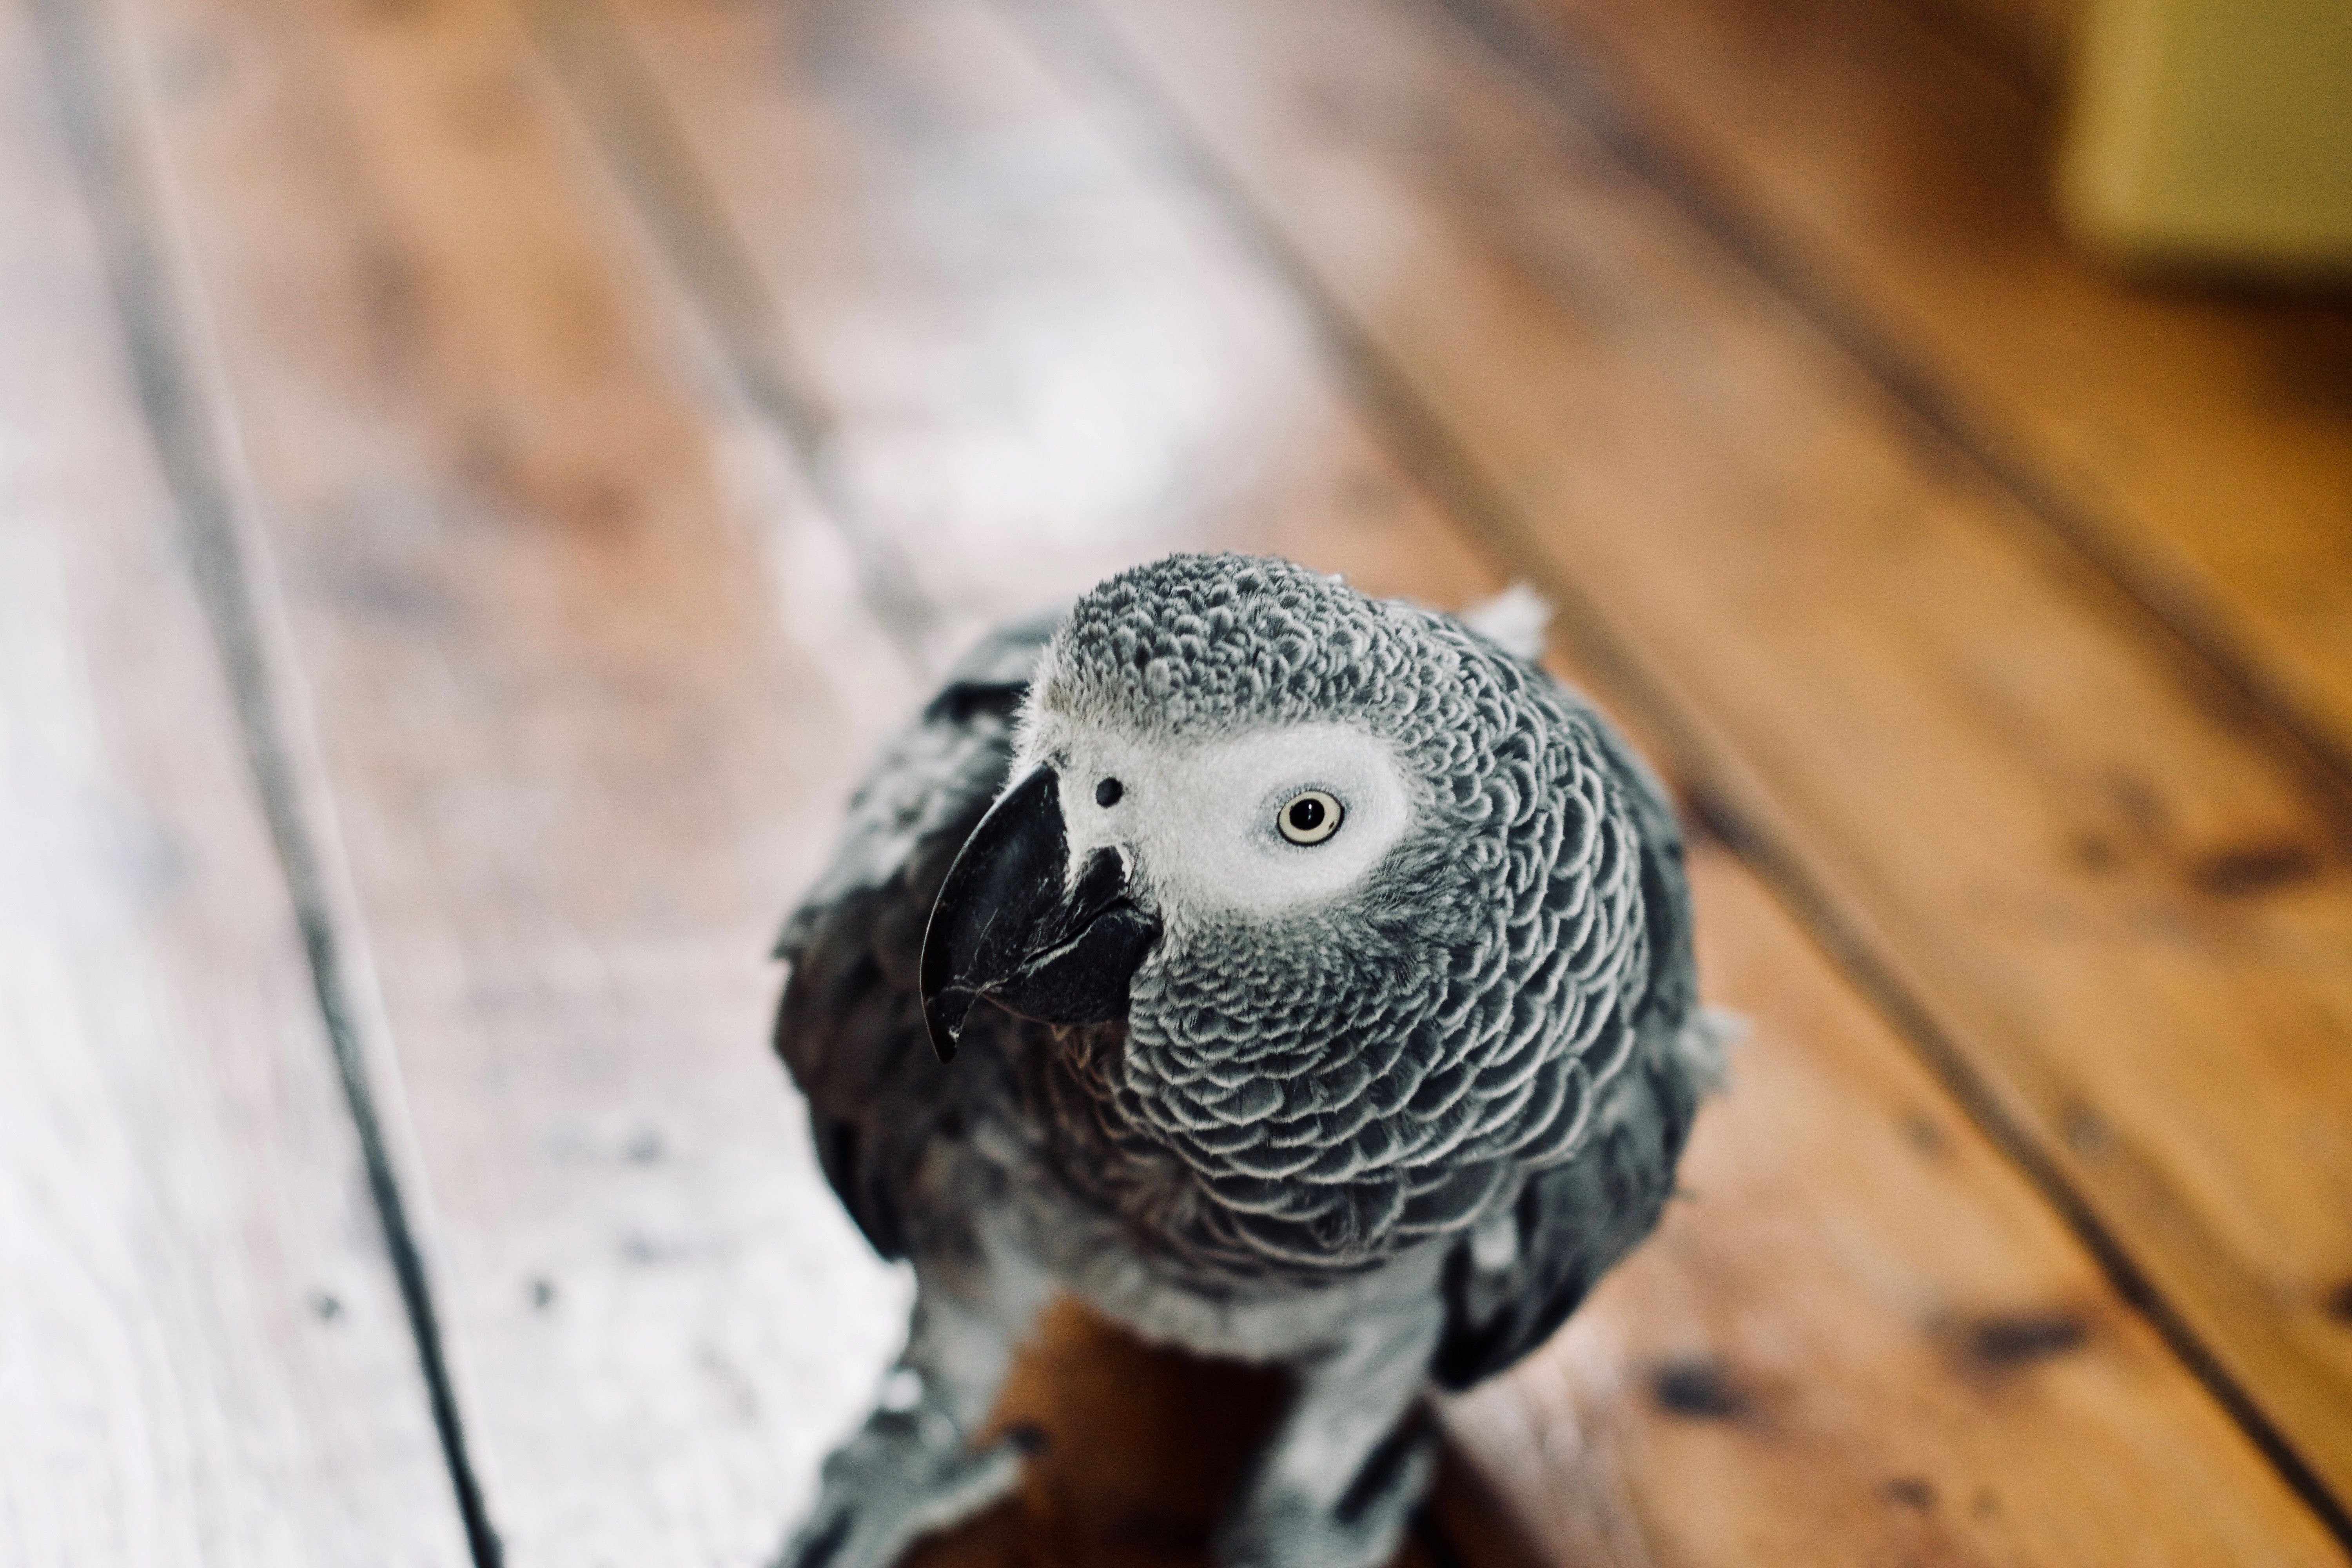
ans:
(1516, 1278)
(851, 1026)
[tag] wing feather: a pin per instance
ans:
(1509, 1285)
(850, 1028)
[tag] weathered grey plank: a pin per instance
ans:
(1010, 363)
(531, 564)
(203, 1357)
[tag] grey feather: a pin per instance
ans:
(1392, 1133)
(850, 1028)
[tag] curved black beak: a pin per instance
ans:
(1009, 925)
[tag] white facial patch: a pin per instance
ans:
(1200, 826)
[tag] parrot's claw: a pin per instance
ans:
(903, 1477)
(1280, 1528)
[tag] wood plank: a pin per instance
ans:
(2198, 442)
(2114, 911)
(1862, 1338)
(1874, 1280)
(532, 563)
(203, 1357)
(1018, 375)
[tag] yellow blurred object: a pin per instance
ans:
(2214, 135)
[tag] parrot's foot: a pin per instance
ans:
(1279, 1527)
(904, 1476)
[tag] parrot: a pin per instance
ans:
(1288, 976)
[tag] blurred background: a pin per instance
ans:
(479, 478)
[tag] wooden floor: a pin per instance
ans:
(478, 477)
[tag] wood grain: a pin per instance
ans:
(202, 1353)
(1939, 1299)
(2199, 443)
(2110, 907)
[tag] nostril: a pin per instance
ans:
(1108, 792)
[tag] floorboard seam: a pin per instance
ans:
(1851, 952)
(1417, 437)
(616, 98)
(91, 101)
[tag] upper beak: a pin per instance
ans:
(1010, 926)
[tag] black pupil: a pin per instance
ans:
(1307, 814)
(1108, 792)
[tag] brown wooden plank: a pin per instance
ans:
(203, 1357)
(2199, 442)
(2111, 902)
(1862, 1338)
(1879, 1284)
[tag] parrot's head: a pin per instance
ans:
(1346, 873)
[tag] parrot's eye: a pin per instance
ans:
(1107, 793)
(1310, 816)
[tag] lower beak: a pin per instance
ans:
(1011, 927)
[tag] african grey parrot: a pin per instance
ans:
(1317, 976)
